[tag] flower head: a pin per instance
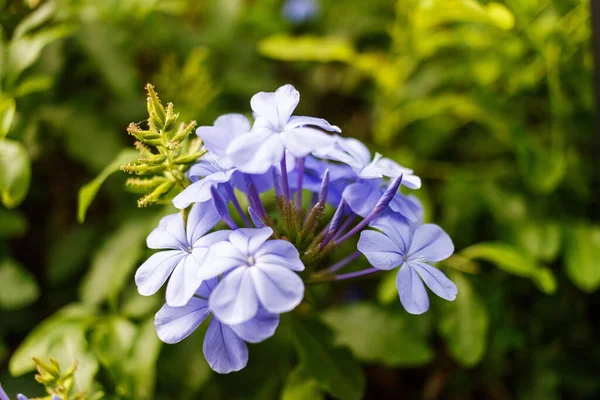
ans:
(300, 10)
(185, 251)
(224, 345)
(400, 244)
(258, 273)
(275, 130)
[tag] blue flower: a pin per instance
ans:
(299, 10)
(258, 273)
(402, 244)
(4, 396)
(275, 131)
(187, 251)
(224, 345)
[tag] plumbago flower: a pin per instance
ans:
(245, 277)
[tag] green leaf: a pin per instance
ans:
(334, 368)
(136, 306)
(113, 262)
(25, 50)
(299, 385)
(7, 114)
(582, 256)
(89, 190)
(506, 257)
(540, 238)
(464, 323)
(387, 291)
(12, 224)
(68, 254)
(143, 359)
(70, 348)
(440, 12)
(34, 84)
(15, 173)
(40, 15)
(545, 281)
(18, 288)
(111, 340)
(69, 320)
(380, 336)
(306, 48)
(542, 169)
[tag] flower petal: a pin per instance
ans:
(248, 240)
(153, 273)
(197, 192)
(279, 252)
(435, 280)
(257, 151)
(407, 206)
(279, 289)
(221, 257)
(431, 243)
(202, 218)
(258, 222)
(396, 228)
(413, 294)
(169, 234)
(259, 328)
(3, 395)
(226, 128)
(297, 121)
(234, 300)
(212, 238)
(276, 107)
(183, 282)
(173, 324)
(362, 197)
(302, 141)
(223, 349)
(381, 251)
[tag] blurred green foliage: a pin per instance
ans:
(490, 103)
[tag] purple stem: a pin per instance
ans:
(277, 182)
(344, 226)
(335, 223)
(355, 274)
(343, 262)
(236, 204)
(284, 178)
(254, 198)
(299, 183)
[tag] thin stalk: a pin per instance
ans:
(299, 183)
(356, 274)
(236, 204)
(343, 262)
(284, 178)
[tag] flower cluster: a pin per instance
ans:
(244, 265)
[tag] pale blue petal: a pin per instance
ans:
(381, 251)
(183, 282)
(278, 288)
(362, 197)
(226, 128)
(300, 142)
(281, 253)
(207, 287)
(396, 228)
(21, 397)
(408, 207)
(197, 192)
(173, 324)
(258, 222)
(256, 152)
(356, 149)
(431, 243)
(259, 328)
(3, 395)
(248, 240)
(224, 351)
(153, 273)
(276, 107)
(435, 280)
(413, 294)
(221, 257)
(202, 218)
(170, 234)
(296, 122)
(234, 300)
(212, 238)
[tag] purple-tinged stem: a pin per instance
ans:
(299, 182)
(284, 178)
(277, 183)
(343, 262)
(254, 198)
(236, 204)
(356, 274)
(344, 226)
(382, 203)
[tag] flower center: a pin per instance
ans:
(251, 260)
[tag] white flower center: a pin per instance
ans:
(251, 260)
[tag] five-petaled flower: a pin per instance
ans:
(184, 253)
(400, 244)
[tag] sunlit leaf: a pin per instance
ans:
(7, 113)
(438, 12)
(299, 385)
(464, 323)
(142, 362)
(306, 48)
(582, 256)
(89, 190)
(15, 173)
(376, 335)
(18, 288)
(33, 84)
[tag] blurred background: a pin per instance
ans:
(491, 103)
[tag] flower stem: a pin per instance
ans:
(236, 204)
(299, 183)
(343, 262)
(355, 274)
(284, 178)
